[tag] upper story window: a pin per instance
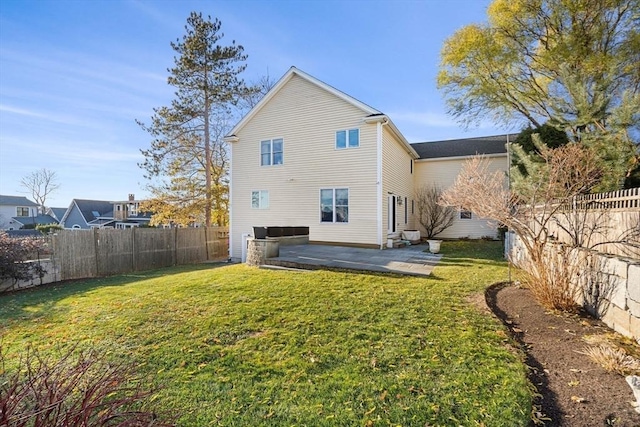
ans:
(260, 199)
(464, 214)
(271, 152)
(334, 205)
(348, 138)
(20, 211)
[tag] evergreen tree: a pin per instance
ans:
(188, 159)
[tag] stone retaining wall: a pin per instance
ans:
(51, 274)
(618, 279)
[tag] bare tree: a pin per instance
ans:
(40, 184)
(433, 217)
(541, 212)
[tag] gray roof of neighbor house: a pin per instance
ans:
(58, 212)
(23, 233)
(496, 144)
(88, 207)
(16, 201)
(37, 220)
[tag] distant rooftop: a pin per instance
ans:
(463, 147)
(16, 201)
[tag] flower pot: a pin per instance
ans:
(434, 246)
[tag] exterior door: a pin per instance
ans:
(391, 216)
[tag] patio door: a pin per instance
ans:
(391, 215)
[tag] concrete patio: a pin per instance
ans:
(410, 260)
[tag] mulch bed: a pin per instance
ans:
(574, 390)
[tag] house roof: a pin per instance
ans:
(370, 112)
(17, 234)
(40, 219)
(88, 208)
(465, 147)
(16, 201)
(58, 213)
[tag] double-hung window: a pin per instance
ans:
(465, 214)
(22, 211)
(260, 199)
(349, 138)
(271, 152)
(334, 205)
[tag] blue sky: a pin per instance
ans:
(74, 75)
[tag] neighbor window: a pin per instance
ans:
(22, 211)
(348, 138)
(464, 214)
(260, 199)
(334, 205)
(271, 152)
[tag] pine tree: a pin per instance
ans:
(188, 160)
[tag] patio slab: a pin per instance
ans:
(410, 260)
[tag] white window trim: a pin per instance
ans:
(270, 141)
(465, 211)
(260, 192)
(347, 146)
(334, 205)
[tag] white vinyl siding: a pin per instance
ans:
(443, 172)
(397, 180)
(306, 117)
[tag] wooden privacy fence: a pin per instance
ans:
(81, 254)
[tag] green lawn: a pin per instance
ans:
(240, 346)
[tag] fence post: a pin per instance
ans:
(175, 246)
(134, 260)
(95, 250)
(206, 242)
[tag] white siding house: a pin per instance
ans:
(309, 155)
(15, 206)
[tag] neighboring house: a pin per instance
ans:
(33, 221)
(86, 214)
(56, 213)
(310, 155)
(441, 161)
(15, 206)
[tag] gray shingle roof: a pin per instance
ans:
(16, 201)
(58, 212)
(87, 207)
(463, 147)
(40, 219)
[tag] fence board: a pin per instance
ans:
(74, 253)
(114, 251)
(191, 245)
(93, 253)
(217, 243)
(154, 248)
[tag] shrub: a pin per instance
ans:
(48, 228)
(72, 391)
(14, 252)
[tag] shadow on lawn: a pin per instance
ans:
(14, 304)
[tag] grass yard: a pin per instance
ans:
(240, 346)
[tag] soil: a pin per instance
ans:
(574, 390)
